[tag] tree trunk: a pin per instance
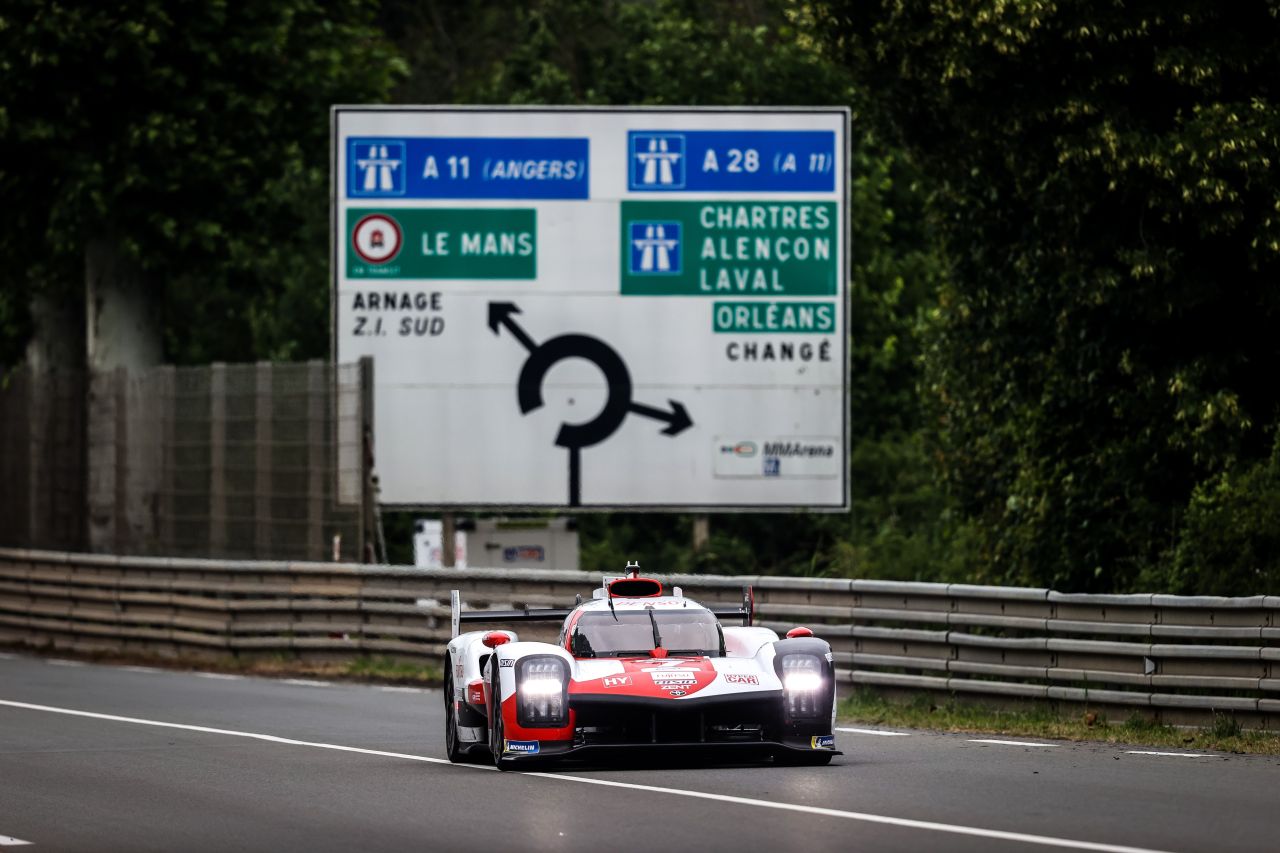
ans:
(122, 342)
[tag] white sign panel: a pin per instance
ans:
(598, 308)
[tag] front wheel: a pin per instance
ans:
(499, 742)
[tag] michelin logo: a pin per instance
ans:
(657, 161)
(524, 747)
(378, 167)
(655, 248)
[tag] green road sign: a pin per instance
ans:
(804, 317)
(454, 243)
(760, 249)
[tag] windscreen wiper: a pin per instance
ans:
(657, 638)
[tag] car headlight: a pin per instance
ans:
(542, 692)
(805, 687)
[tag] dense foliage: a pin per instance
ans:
(1065, 218)
(191, 137)
(1104, 174)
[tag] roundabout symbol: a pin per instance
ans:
(618, 403)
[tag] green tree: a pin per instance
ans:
(1104, 176)
(191, 140)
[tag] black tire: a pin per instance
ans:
(452, 743)
(499, 735)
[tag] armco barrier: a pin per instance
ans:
(1180, 659)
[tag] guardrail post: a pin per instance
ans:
(262, 545)
(218, 458)
(316, 462)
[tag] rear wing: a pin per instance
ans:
(745, 611)
(525, 615)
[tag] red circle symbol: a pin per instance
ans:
(377, 238)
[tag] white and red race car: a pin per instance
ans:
(635, 669)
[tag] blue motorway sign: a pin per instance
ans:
(468, 167)
(731, 161)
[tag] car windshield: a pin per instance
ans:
(686, 632)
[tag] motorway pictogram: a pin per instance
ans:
(618, 402)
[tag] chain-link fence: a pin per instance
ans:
(265, 461)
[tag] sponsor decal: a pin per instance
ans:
(616, 681)
(799, 449)
(770, 458)
(524, 553)
(457, 671)
(506, 661)
(653, 665)
(674, 678)
(823, 742)
(740, 449)
(677, 693)
(735, 678)
(523, 747)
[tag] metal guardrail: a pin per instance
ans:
(1181, 659)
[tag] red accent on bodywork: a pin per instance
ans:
(654, 678)
(621, 583)
(476, 694)
(659, 652)
(515, 731)
(799, 632)
(493, 639)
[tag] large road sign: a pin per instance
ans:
(598, 308)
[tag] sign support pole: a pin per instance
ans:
(701, 532)
(448, 551)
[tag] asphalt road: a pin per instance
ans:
(100, 758)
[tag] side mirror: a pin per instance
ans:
(579, 647)
(799, 632)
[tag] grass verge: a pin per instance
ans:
(929, 712)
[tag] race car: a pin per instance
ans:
(637, 668)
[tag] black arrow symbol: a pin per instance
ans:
(677, 419)
(500, 315)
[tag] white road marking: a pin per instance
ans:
(907, 823)
(10, 841)
(221, 676)
(140, 669)
(304, 682)
(229, 732)
(875, 732)
(61, 662)
(402, 690)
(1010, 742)
(1169, 754)
(7, 656)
